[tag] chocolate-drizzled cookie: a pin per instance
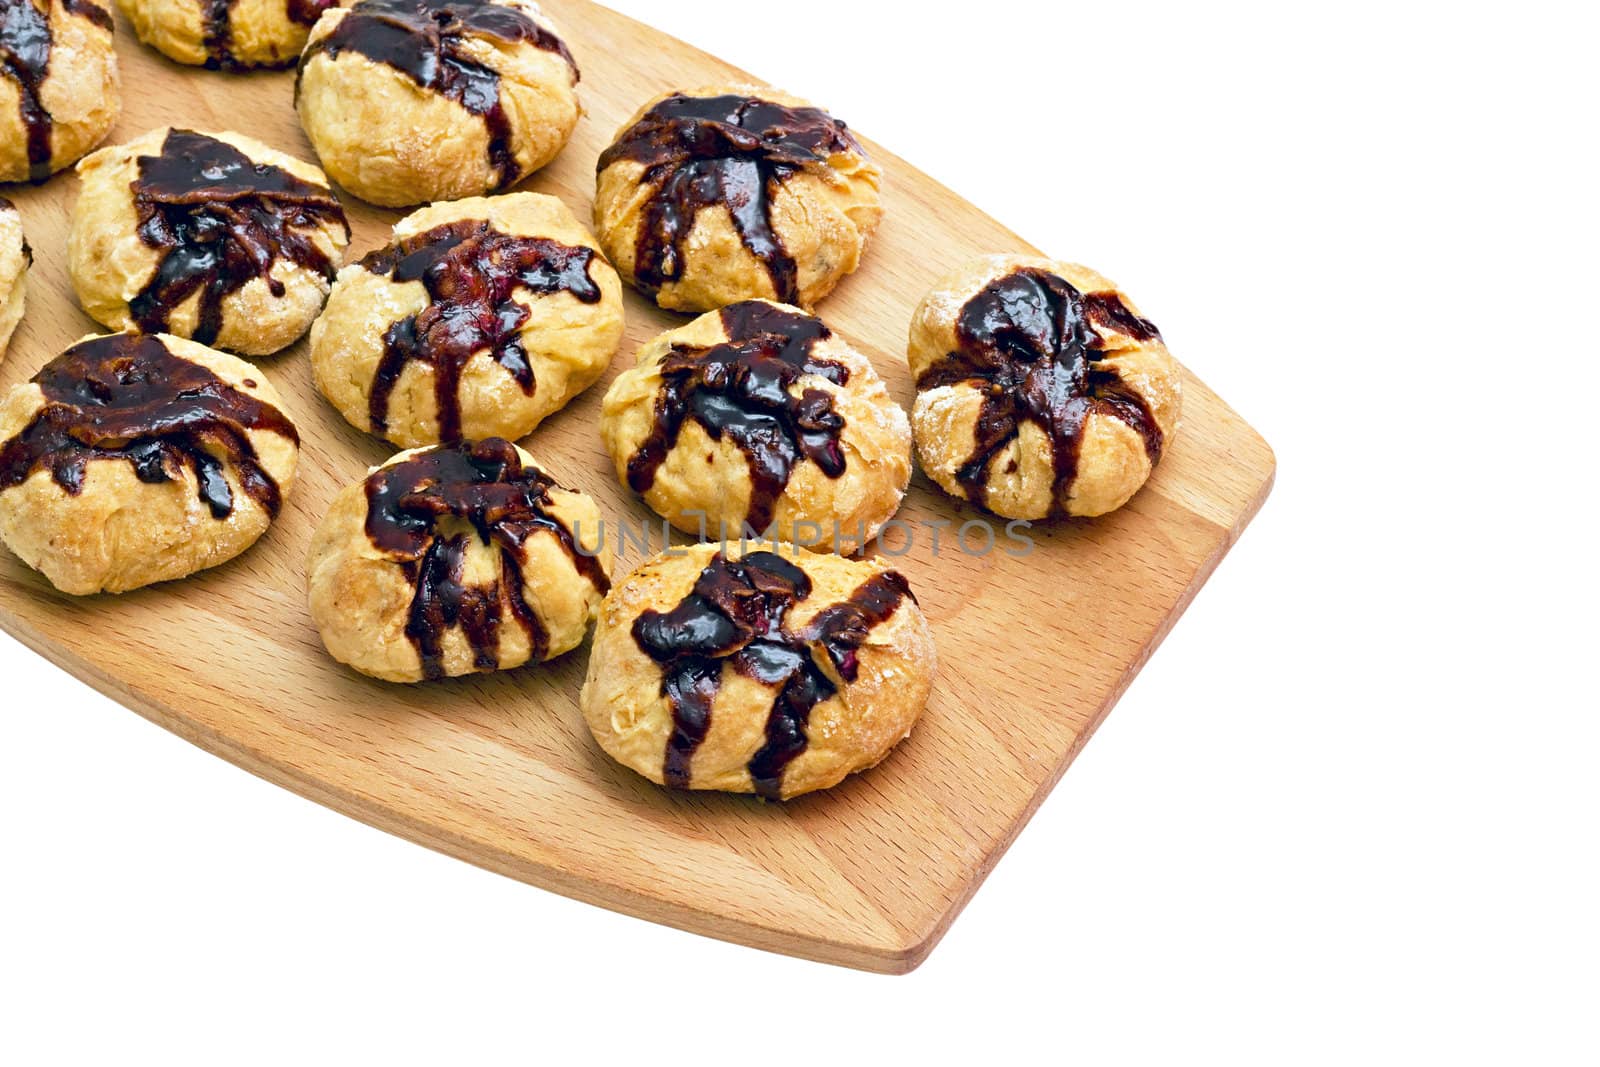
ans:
(770, 671)
(507, 311)
(40, 40)
(757, 414)
(1040, 389)
(737, 612)
(470, 552)
(780, 193)
(376, 139)
(132, 459)
(470, 270)
(747, 390)
(236, 244)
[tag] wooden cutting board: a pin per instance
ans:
(500, 770)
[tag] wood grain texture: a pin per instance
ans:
(500, 770)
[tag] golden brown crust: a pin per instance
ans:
(109, 262)
(569, 343)
(823, 215)
(1113, 462)
(361, 597)
(850, 731)
(120, 533)
(14, 263)
(704, 485)
(393, 143)
(80, 91)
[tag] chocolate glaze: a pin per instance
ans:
(736, 612)
(126, 397)
(217, 17)
(471, 271)
(220, 221)
(426, 41)
(307, 12)
(728, 150)
(741, 389)
(26, 43)
(486, 486)
(1026, 340)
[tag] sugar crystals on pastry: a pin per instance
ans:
(15, 259)
(215, 237)
(728, 193)
(454, 560)
(753, 670)
(135, 458)
(226, 34)
(58, 85)
(759, 414)
(411, 101)
(480, 319)
(1040, 388)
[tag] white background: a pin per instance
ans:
(1348, 812)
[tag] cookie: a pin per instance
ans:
(730, 193)
(455, 560)
(213, 237)
(759, 417)
(756, 671)
(483, 317)
(226, 34)
(15, 259)
(133, 458)
(1041, 390)
(59, 94)
(411, 101)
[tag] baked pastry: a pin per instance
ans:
(139, 458)
(58, 85)
(729, 193)
(754, 415)
(214, 237)
(770, 672)
(226, 34)
(1040, 389)
(410, 101)
(454, 560)
(480, 319)
(15, 259)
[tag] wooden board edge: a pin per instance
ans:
(914, 954)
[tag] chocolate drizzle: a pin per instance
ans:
(472, 272)
(219, 221)
(737, 613)
(729, 150)
(1027, 342)
(307, 12)
(742, 389)
(26, 43)
(426, 41)
(217, 19)
(492, 497)
(126, 397)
